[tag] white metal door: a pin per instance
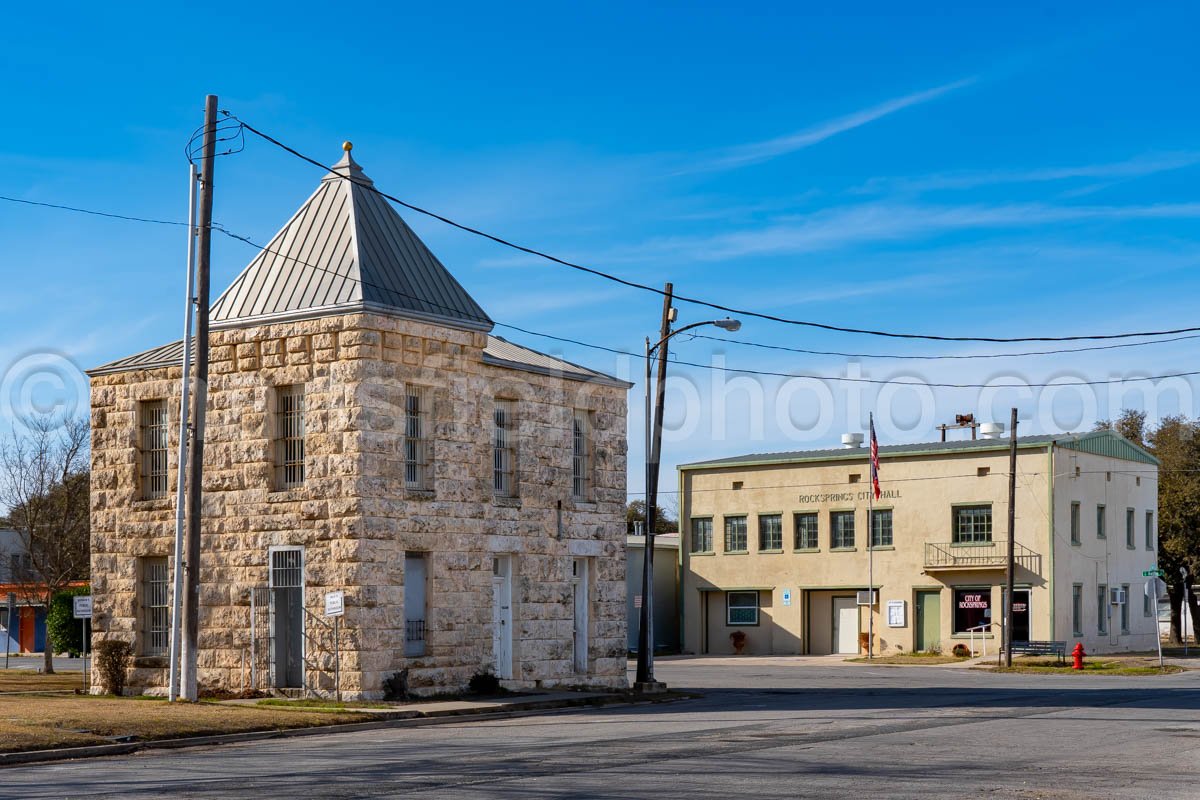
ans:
(414, 604)
(845, 625)
(579, 585)
(502, 615)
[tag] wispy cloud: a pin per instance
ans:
(758, 152)
(1136, 167)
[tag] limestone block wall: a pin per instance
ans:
(354, 517)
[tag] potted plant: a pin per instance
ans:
(738, 640)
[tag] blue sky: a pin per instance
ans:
(950, 171)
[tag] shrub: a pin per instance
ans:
(65, 632)
(961, 651)
(484, 682)
(112, 659)
(395, 688)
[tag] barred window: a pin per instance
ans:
(416, 438)
(153, 442)
(881, 528)
(735, 535)
(156, 606)
(972, 525)
(770, 532)
(504, 448)
(841, 529)
(581, 468)
(806, 532)
(289, 441)
(702, 536)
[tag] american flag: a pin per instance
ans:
(874, 459)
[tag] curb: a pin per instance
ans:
(398, 719)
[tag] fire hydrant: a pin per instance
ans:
(1078, 654)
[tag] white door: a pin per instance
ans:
(845, 625)
(414, 604)
(502, 615)
(579, 586)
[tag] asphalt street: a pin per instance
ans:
(772, 727)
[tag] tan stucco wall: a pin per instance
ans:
(921, 491)
(353, 515)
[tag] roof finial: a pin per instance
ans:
(347, 146)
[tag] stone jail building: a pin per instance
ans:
(366, 433)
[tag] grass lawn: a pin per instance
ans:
(40, 721)
(1097, 665)
(920, 659)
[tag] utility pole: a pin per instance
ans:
(191, 594)
(645, 661)
(1012, 547)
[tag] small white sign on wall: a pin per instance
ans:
(895, 613)
(335, 604)
(787, 597)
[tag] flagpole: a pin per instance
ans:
(871, 549)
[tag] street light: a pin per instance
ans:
(645, 655)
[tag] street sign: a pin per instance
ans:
(83, 606)
(335, 604)
(1152, 573)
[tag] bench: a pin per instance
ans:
(1040, 649)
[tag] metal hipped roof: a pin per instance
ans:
(499, 352)
(347, 249)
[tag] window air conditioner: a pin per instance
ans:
(868, 598)
(1116, 597)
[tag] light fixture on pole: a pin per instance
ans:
(644, 681)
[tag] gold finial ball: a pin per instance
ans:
(347, 146)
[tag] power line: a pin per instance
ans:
(580, 343)
(940, 357)
(764, 373)
(693, 300)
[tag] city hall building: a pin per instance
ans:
(775, 546)
(368, 435)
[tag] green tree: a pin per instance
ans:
(64, 630)
(664, 521)
(1131, 424)
(1177, 446)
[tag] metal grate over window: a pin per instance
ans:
(287, 569)
(156, 606)
(504, 454)
(153, 425)
(416, 442)
(289, 442)
(581, 455)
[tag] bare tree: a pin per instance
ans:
(44, 482)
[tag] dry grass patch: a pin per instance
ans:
(26, 680)
(35, 722)
(911, 659)
(1092, 665)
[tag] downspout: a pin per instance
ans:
(1050, 531)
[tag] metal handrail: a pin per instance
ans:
(982, 628)
(983, 554)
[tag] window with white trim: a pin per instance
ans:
(152, 442)
(702, 535)
(741, 608)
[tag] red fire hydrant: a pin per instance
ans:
(1078, 654)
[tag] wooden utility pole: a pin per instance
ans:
(191, 575)
(1012, 547)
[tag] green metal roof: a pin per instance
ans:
(1105, 443)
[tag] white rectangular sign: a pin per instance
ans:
(335, 604)
(787, 597)
(83, 606)
(895, 614)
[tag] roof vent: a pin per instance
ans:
(852, 440)
(991, 430)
